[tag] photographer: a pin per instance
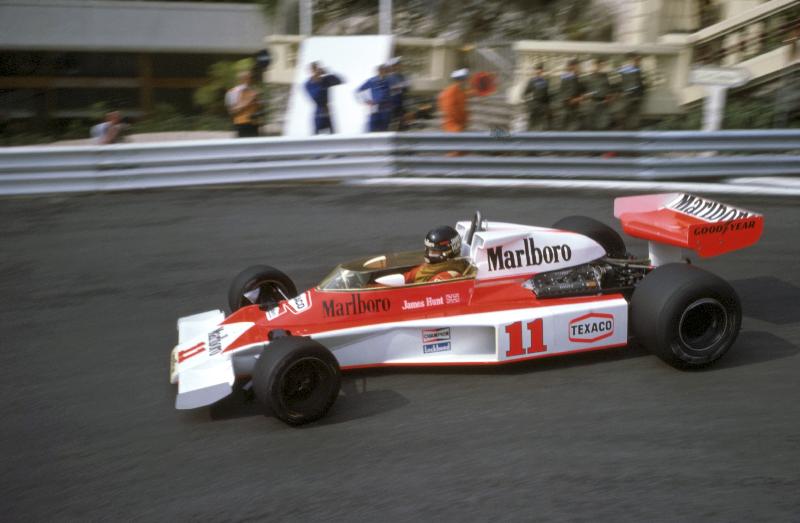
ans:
(317, 88)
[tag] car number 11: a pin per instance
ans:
(515, 343)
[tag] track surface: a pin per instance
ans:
(91, 287)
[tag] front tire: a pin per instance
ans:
(297, 378)
(260, 285)
(685, 315)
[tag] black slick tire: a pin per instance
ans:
(297, 379)
(685, 315)
(598, 231)
(272, 284)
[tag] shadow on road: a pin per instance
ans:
(354, 402)
(754, 347)
(769, 299)
(239, 404)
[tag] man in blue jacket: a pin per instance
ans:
(376, 92)
(317, 88)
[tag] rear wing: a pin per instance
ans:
(708, 227)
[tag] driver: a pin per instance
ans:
(442, 249)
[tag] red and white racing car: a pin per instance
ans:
(526, 292)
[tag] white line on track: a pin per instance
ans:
(594, 185)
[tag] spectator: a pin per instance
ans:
(537, 96)
(244, 105)
(633, 88)
(398, 87)
(111, 130)
(571, 90)
(453, 103)
(600, 96)
(317, 88)
(376, 93)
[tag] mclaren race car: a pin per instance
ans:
(524, 292)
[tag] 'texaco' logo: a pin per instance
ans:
(591, 327)
(356, 305)
(530, 256)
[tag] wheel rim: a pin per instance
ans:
(266, 293)
(303, 388)
(703, 324)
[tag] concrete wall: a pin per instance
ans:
(101, 25)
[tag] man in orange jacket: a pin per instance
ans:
(453, 103)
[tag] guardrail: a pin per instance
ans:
(611, 155)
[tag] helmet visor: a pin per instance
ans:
(437, 252)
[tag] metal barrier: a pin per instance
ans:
(611, 155)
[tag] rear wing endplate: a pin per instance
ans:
(708, 227)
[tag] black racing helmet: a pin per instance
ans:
(442, 244)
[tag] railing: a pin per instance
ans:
(613, 155)
(29, 170)
(745, 43)
(764, 29)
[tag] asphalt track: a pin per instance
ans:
(92, 285)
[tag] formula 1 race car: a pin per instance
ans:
(525, 292)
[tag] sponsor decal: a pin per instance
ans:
(529, 256)
(442, 346)
(722, 228)
(296, 305)
(215, 341)
(355, 306)
(432, 335)
(435, 340)
(707, 210)
(275, 312)
(300, 303)
(591, 327)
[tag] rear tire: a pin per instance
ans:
(685, 315)
(296, 378)
(270, 283)
(598, 231)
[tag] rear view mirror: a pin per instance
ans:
(392, 280)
